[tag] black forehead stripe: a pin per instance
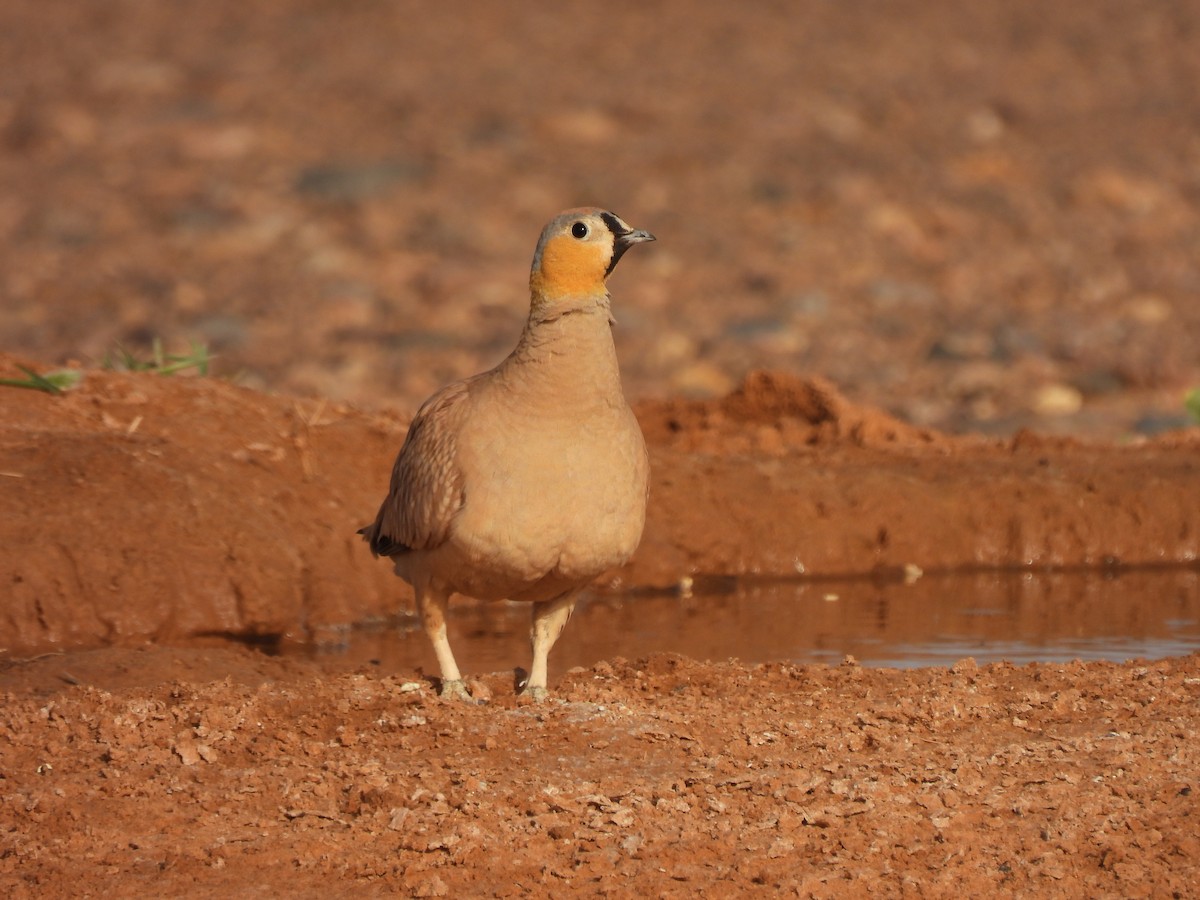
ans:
(614, 224)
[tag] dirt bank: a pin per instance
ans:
(140, 508)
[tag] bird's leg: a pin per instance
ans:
(432, 603)
(549, 619)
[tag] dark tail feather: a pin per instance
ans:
(380, 543)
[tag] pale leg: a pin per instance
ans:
(432, 604)
(549, 619)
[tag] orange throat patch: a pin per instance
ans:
(568, 268)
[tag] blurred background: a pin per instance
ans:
(979, 216)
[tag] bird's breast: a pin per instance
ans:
(562, 495)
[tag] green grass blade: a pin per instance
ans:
(1191, 403)
(55, 382)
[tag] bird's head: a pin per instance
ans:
(576, 252)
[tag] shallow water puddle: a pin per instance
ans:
(936, 620)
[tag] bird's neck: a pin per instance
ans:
(544, 308)
(568, 349)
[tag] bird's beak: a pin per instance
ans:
(622, 242)
(634, 237)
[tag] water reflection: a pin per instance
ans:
(1020, 617)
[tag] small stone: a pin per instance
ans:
(672, 348)
(1148, 309)
(433, 887)
(187, 752)
(701, 379)
(585, 126)
(1053, 400)
(984, 124)
(1122, 191)
(353, 182)
(479, 691)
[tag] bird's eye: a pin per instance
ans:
(579, 230)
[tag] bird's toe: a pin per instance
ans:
(536, 693)
(455, 689)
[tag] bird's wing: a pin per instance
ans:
(427, 485)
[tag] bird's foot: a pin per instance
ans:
(454, 689)
(537, 694)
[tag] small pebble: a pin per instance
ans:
(1053, 400)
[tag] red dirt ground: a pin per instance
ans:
(155, 514)
(979, 222)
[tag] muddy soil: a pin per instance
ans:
(173, 524)
(980, 223)
(662, 776)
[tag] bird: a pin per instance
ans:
(527, 481)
